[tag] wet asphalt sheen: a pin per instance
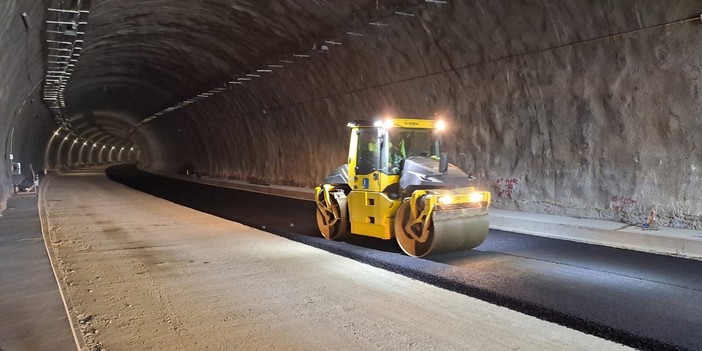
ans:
(642, 300)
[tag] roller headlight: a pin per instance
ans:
(445, 199)
(476, 197)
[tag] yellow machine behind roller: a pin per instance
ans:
(397, 183)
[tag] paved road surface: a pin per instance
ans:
(643, 300)
(144, 273)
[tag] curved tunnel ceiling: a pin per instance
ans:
(139, 57)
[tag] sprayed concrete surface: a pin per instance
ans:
(144, 273)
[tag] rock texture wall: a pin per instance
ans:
(581, 108)
(24, 121)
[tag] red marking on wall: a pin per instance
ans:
(620, 203)
(505, 186)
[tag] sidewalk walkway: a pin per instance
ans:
(667, 241)
(32, 314)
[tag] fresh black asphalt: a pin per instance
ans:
(646, 301)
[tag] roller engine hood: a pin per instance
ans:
(423, 172)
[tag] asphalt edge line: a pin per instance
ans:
(43, 221)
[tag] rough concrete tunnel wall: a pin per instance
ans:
(25, 124)
(549, 107)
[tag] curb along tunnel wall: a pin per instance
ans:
(586, 109)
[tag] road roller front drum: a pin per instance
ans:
(441, 232)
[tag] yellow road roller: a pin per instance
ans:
(397, 183)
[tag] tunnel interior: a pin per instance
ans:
(579, 108)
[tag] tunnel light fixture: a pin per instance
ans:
(301, 55)
(243, 79)
(233, 82)
(253, 75)
(286, 61)
(69, 11)
(59, 42)
(264, 70)
(406, 14)
(438, 2)
(332, 42)
(378, 24)
(63, 23)
(354, 34)
(276, 66)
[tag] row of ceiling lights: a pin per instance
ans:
(269, 68)
(76, 139)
